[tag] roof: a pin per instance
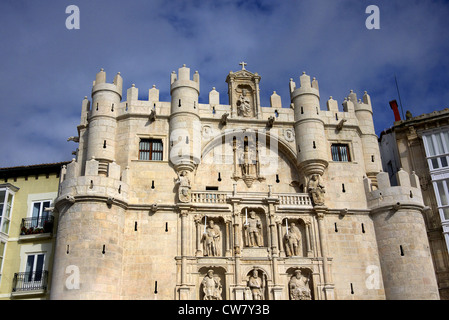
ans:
(30, 170)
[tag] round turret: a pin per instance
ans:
(102, 125)
(309, 127)
(185, 125)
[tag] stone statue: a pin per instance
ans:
(246, 161)
(293, 241)
(211, 240)
(211, 286)
(299, 287)
(255, 283)
(243, 105)
(316, 190)
(253, 227)
(184, 186)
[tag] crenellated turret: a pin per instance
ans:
(102, 126)
(364, 113)
(406, 263)
(309, 127)
(185, 125)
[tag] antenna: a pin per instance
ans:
(400, 102)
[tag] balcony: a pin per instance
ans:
(36, 227)
(29, 283)
(221, 197)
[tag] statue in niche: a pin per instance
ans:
(299, 287)
(246, 162)
(316, 190)
(293, 241)
(256, 285)
(184, 186)
(211, 240)
(253, 229)
(243, 105)
(212, 287)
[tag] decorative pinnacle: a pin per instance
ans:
(101, 69)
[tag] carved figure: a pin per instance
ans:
(299, 287)
(316, 190)
(184, 186)
(243, 105)
(211, 286)
(293, 241)
(253, 227)
(255, 283)
(211, 240)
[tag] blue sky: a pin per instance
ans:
(46, 69)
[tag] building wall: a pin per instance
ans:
(33, 188)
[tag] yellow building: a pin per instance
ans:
(27, 229)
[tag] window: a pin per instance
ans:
(340, 152)
(38, 215)
(6, 200)
(150, 149)
(442, 188)
(34, 267)
(437, 149)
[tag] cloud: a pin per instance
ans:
(47, 69)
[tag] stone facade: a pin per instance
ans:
(186, 200)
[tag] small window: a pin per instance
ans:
(150, 149)
(340, 152)
(6, 200)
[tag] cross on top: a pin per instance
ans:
(243, 64)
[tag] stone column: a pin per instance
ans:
(281, 246)
(228, 224)
(199, 251)
(184, 214)
(308, 246)
(328, 287)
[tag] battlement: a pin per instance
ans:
(112, 186)
(306, 86)
(100, 84)
(408, 191)
(182, 79)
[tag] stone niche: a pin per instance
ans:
(300, 284)
(254, 231)
(294, 237)
(213, 237)
(212, 283)
(256, 285)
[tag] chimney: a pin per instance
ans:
(394, 106)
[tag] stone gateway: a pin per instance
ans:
(194, 197)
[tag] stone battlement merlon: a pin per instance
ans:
(407, 192)
(100, 84)
(306, 86)
(182, 79)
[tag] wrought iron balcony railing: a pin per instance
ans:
(36, 225)
(30, 281)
